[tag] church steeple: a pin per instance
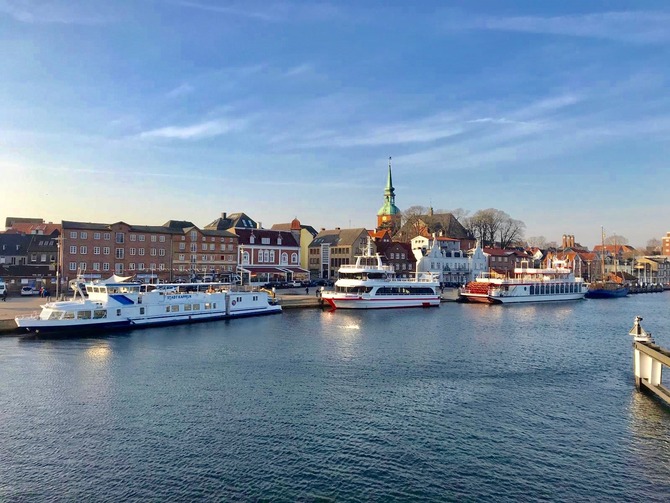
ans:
(388, 216)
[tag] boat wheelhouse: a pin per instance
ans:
(528, 284)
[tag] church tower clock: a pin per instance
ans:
(388, 216)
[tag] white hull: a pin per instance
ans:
(490, 299)
(367, 302)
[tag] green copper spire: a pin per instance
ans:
(389, 207)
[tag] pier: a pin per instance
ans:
(648, 362)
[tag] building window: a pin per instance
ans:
(107, 236)
(161, 252)
(82, 266)
(96, 250)
(118, 268)
(194, 248)
(83, 235)
(153, 238)
(153, 252)
(194, 236)
(182, 246)
(284, 258)
(204, 246)
(133, 251)
(140, 266)
(141, 252)
(83, 250)
(141, 238)
(73, 235)
(96, 235)
(105, 266)
(182, 257)
(119, 254)
(73, 250)
(161, 239)
(73, 266)
(119, 237)
(294, 258)
(105, 250)
(131, 266)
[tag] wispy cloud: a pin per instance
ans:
(55, 12)
(630, 26)
(195, 131)
(180, 90)
(220, 9)
(271, 12)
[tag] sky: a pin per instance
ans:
(143, 111)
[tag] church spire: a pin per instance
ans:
(388, 216)
(389, 191)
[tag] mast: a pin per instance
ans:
(602, 255)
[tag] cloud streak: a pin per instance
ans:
(199, 131)
(30, 12)
(639, 27)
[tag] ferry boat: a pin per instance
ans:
(529, 284)
(368, 284)
(114, 304)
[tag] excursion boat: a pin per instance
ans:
(114, 304)
(606, 290)
(529, 284)
(368, 284)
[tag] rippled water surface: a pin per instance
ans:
(460, 402)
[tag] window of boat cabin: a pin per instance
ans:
(174, 308)
(84, 315)
(69, 315)
(100, 313)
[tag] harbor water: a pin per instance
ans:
(456, 403)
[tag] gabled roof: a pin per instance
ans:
(178, 224)
(338, 237)
(49, 229)
(234, 220)
(244, 236)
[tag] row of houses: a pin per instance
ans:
(236, 248)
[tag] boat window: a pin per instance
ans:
(141, 310)
(167, 309)
(100, 313)
(84, 315)
(196, 307)
(55, 315)
(187, 307)
(208, 305)
(69, 315)
(118, 312)
(174, 308)
(214, 304)
(532, 289)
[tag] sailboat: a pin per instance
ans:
(606, 288)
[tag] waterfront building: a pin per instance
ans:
(665, 245)
(97, 250)
(202, 254)
(504, 261)
(438, 224)
(266, 255)
(303, 234)
(335, 247)
(445, 258)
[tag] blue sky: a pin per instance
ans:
(554, 112)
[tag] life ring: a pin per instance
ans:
(234, 302)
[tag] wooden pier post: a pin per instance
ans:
(648, 362)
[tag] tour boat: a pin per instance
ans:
(368, 284)
(115, 304)
(529, 284)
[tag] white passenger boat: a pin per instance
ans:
(529, 284)
(119, 304)
(368, 284)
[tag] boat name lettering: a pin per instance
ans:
(180, 296)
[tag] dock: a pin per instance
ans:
(648, 362)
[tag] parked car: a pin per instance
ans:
(28, 291)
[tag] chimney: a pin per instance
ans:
(337, 228)
(223, 215)
(564, 241)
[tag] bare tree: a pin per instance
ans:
(537, 241)
(615, 239)
(653, 247)
(412, 221)
(491, 225)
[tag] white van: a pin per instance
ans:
(3, 288)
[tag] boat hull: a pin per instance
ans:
(526, 299)
(603, 293)
(359, 302)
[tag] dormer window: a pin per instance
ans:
(279, 240)
(252, 239)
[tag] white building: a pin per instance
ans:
(444, 258)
